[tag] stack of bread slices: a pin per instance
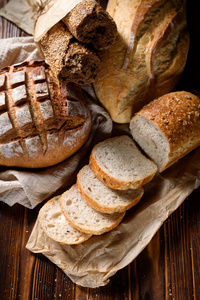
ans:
(105, 189)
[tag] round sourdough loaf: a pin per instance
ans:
(147, 57)
(43, 120)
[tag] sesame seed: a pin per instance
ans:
(184, 122)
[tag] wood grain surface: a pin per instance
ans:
(167, 269)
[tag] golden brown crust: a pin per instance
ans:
(113, 182)
(43, 121)
(92, 232)
(147, 57)
(177, 115)
(104, 208)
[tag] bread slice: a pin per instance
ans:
(56, 226)
(168, 127)
(120, 165)
(101, 197)
(85, 218)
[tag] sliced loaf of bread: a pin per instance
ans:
(83, 217)
(102, 198)
(56, 226)
(120, 165)
(168, 127)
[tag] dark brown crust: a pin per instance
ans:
(91, 24)
(68, 58)
(43, 121)
(177, 115)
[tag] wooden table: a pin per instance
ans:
(168, 268)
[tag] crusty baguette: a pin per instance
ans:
(102, 198)
(56, 226)
(83, 217)
(168, 127)
(89, 23)
(147, 57)
(119, 164)
(43, 121)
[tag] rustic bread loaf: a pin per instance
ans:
(102, 198)
(56, 226)
(83, 217)
(43, 121)
(119, 164)
(89, 23)
(147, 57)
(168, 127)
(68, 58)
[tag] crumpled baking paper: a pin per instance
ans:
(36, 17)
(92, 263)
(31, 187)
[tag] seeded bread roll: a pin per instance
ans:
(89, 23)
(119, 164)
(147, 58)
(56, 226)
(168, 127)
(68, 58)
(43, 120)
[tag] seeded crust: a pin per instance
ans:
(89, 23)
(147, 58)
(43, 120)
(177, 116)
(68, 58)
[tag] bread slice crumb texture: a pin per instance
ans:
(56, 226)
(83, 217)
(151, 139)
(103, 198)
(120, 164)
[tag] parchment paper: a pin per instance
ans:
(24, 14)
(92, 263)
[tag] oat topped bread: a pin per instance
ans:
(168, 127)
(43, 121)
